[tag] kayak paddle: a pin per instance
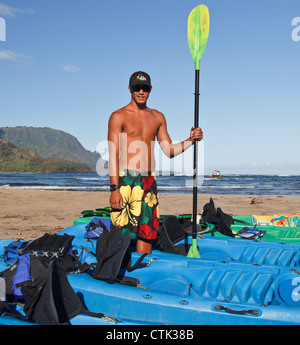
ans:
(198, 29)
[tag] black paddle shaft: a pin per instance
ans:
(195, 170)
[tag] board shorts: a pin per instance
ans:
(140, 213)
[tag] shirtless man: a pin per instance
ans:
(132, 132)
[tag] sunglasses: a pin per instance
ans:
(137, 88)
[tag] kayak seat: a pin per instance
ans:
(238, 285)
(234, 286)
(177, 285)
(268, 256)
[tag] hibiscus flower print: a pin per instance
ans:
(151, 199)
(131, 206)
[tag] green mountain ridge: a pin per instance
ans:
(15, 159)
(50, 143)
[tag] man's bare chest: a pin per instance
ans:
(141, 129)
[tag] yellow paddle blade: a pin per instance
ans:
(198, 30)
(193, 251)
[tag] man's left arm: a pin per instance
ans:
(171, 150)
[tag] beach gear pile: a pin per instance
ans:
(289, 220)
(37, 272)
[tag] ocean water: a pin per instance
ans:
(228, 184)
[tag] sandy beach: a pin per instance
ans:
(28, 214)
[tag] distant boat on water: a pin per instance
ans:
(216, 173)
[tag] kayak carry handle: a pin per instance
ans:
(239, 312)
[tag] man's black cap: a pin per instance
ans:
(140, 78)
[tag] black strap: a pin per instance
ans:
(138, 264)
(99, 315)
(240, 221)
(6, 310)
(83, 267)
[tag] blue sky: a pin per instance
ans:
(66, 65)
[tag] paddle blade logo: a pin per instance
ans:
(198, 30)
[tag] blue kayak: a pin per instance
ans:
(236, 281)
(219, 249)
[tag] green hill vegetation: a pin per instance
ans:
(50, 143)
(19, 160)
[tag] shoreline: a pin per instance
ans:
(28, 213)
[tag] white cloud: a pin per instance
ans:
(72, 69)
(9, 11)
(10, 55)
